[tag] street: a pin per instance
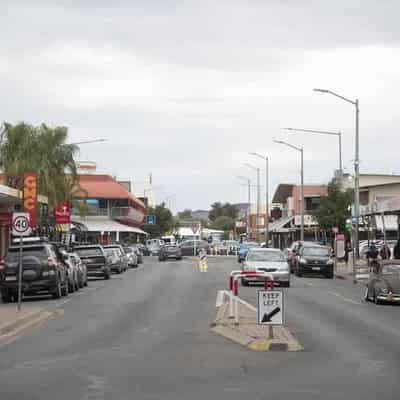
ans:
(145, 335)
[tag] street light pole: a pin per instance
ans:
(258, 198)
(338, 134)
(299, 149)
(355, 103)
(266, 195)
(249, 206)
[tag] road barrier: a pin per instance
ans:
(203, 265)
(234, 288)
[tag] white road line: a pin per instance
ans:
(345, 298)
(308, 283)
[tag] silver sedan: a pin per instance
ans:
(267, 260)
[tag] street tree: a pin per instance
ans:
(43, 150)
(223, 223)
(218, 210)
(165, 221)
(334, 209)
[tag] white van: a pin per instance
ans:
(169, 239)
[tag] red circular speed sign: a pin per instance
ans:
(21, 224)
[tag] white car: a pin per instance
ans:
(132, 257)
(267, 260)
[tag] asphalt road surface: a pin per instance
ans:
(145, 335)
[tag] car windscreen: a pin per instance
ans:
(390, 269)
(248, 245)
(128, 250)
(89, 251)
(116, 249)
(273, 256)
(13, 253)
(315, 251)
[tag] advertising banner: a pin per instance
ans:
(62, 214)
(30, 197)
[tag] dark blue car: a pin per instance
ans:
(244, 248)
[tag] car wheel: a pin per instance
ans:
(366, 294)
(376, 300)
(6, 296)
(65, 289)
(57, 290)
(329, 275)
(245, 282)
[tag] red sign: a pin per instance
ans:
(195, 228)
(5, 218)
(62, 214)
(30, 196)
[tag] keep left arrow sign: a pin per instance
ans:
(268, 316)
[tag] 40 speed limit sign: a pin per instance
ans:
(20, 224)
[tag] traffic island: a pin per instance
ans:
(13, 323)
(248, 333)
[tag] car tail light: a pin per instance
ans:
(2, 263)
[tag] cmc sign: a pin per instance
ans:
(62, 214)
(30, 196)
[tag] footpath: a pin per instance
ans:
(14, 322)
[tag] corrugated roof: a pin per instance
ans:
(103, 187)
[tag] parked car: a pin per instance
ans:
(132, 257)
(82, 270)
(218, 248)
(138, 249)
(188, 247)
(115, 260)
(43, 271)
(314, 259)
(95, 259)
(384, 283)
(154, 245)
(170, 251)
(72, 271)
(121, 252)
(145, 251)
(267, 260)
(233, 246)
(244, 248)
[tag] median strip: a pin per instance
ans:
(247, 332)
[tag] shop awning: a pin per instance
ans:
(98, 224)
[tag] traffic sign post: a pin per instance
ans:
(270, 309)
(20, 227)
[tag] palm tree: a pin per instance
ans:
(43, 150)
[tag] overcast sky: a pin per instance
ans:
(185, 89)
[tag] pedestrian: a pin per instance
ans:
(396, 250)
(347, 251)
(385, 252)
(372, 253)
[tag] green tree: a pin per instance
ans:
(185, 214)
(43, 150)
(165, 221)
(334, 208)
(224, 223)
(218, 210)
